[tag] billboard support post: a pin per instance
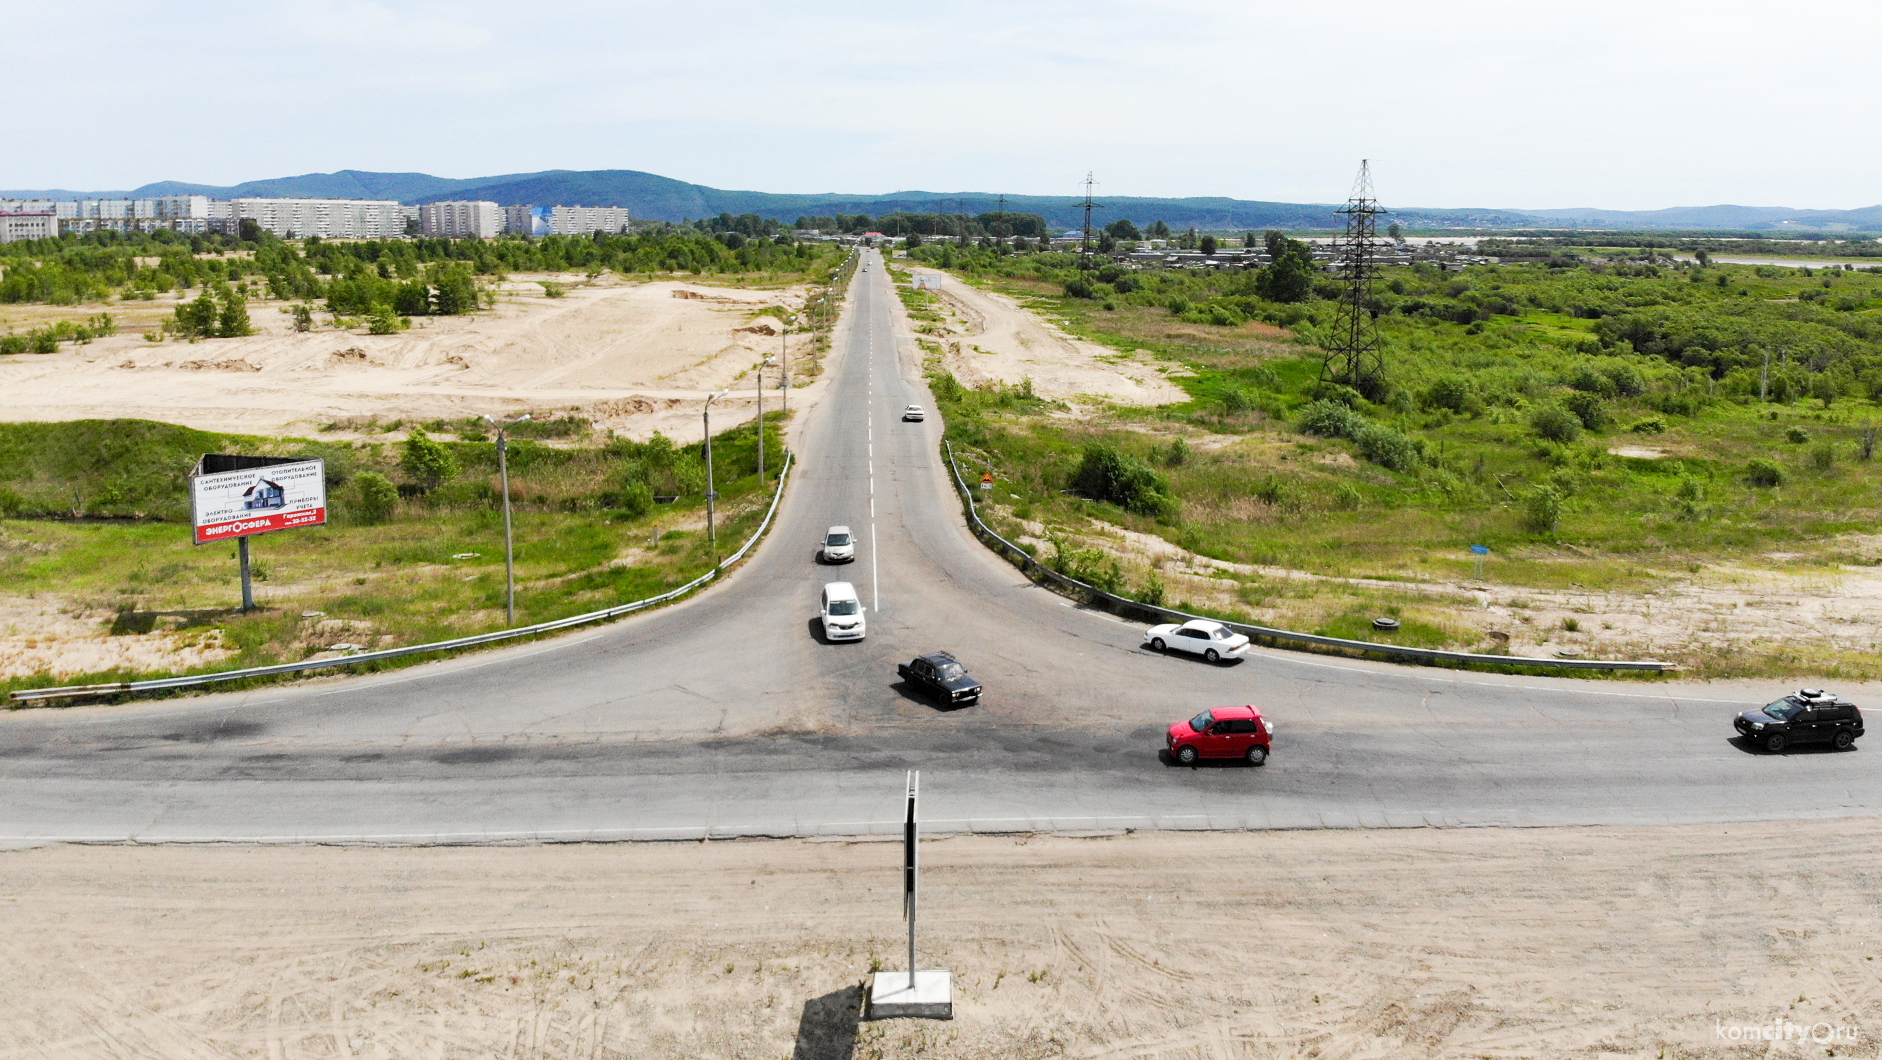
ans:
(248, 587)
(240, 496)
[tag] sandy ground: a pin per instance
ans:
(993, 339)
(1325, 945)
(1719, 609)
(49, 633)
(634, 357)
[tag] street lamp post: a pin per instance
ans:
(712, 536)
(784, 371)
(761, 422)
(509, 548)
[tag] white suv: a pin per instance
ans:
(839, 545)
(842, 612)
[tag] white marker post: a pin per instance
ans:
(926, 995)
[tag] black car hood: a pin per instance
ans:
(1759, 717)
(960, 684)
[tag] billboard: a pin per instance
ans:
(542, 220)
(230, 502)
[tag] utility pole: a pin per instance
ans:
(712, 535)
(784, 369)
(1000, 225)
(1356, 357)
(509, 549)
(1084, 247)
(1764, 375)
(761, 421)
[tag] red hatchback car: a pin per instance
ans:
(1224, 732)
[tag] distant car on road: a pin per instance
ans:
(940, 675)
(842, 612)
(839, 546)
(1199, 636)
(913, 414)
(1223, 732)
(1809, 715)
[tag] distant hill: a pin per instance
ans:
(659, 198)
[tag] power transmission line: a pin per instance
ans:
(1084, 247)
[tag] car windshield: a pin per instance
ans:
(1782, 710)
(1201, 722)
(837, 539)
(842, 607)
(950, 670)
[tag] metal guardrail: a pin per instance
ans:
(32, 695)
(1032, 566)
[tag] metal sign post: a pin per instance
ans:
(911, 865)
(928, 994)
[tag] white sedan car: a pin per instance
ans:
(1199, 636)
(912, 414)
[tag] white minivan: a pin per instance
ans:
(842, 612)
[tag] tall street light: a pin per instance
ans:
(509, 548)
(784, 370)
(712, 536)
(761, 422)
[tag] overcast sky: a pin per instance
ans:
(1518, 103)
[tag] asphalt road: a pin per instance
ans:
(728, 716)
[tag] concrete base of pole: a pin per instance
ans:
(931, 998)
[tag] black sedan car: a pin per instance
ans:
(942, 677)
(1809, 715)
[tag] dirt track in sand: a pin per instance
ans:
(634, 357)
(1476, 943)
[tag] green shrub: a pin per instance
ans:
(1454, 393)
(1588, 408)
(428, 463)
(1589, 380)
(1178, 453)
(1152, 592)
(1078, 289)
(1650, 425)
(636, 499)
(1765, 473)
(1627, 381)
(1823, 456)
(1108, 475)
(377, 497)
(1542, 510)
(553, 290)
(1330, 419)
(1796, 436)
(1556, 424)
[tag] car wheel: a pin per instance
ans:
(1158, 645)
(1843, 740)
(1257, 755)
(1187, 754)
(1776, 742)
(1212, 655)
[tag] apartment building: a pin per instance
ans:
(565, 220)
(16, 225)
(326, 218)
(182, 213)
(461, 220)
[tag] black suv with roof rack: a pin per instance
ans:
(1809, 715)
